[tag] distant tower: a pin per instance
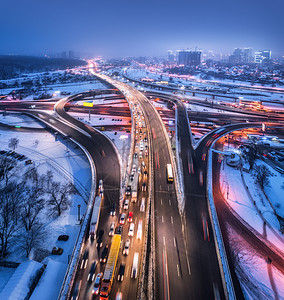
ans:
(71, 54)
(189, 58)
(171, 56)
(260, 56)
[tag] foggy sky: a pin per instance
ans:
(125, 28)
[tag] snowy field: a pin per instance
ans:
(263, 95)
(67, 164)
(251, 205)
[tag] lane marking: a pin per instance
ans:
(166, 276)
(168, 188)
(188, 265)
(162, 219)
(178, 270)
(164, 241)
(161, 201)
(170, 202)
(172, 220)
(175, 242)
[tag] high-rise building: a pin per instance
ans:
(71, 54)
(171, 56)
(189, 58)
(241, 56)
(260, 56)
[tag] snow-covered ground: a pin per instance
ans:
(262, 95)
(251, 205)
(259, 279)
(67, 164)
(16, 119)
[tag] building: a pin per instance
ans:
(171, 56)
(260, 56)
(241, 56)
(189, 58)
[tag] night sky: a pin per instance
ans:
(124, 28)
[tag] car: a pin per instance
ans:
(84, 261)
(99, 241)
(128, 190)
(131, 177)
(141, 148)
(97, 284)
(111, 231)
(119, 229)
(91, 275)
(126, 204)
(145, 173)
(143, 165)
(28, 162)
(100, 184)
(139, 170)
(126, 247)
(135, 155)
(142, 206)
(103, 153)
(140, 155)
(121, 271)
(145, 139)
(112, 211)
(57, 251)
(134, 168)
(122, 218)
(146, 152)
(63, 237)
(130, 216)
(131, 229)
(134, 269)
(104, 254)
(144, 187)
(118, 296)
(139, 230)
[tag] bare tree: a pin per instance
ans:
(9, 213)
(36, 142)
(31, 238)
(8, 168)
(13, 143)
(250, 154)
(262, 174)
(59, 196)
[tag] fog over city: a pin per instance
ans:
(125, 28)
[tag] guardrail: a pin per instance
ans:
(219, 243)
(74, 259)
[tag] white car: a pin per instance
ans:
(131, 229)
(134, 270)
(126, 204)
(142, 206)
(111, 231)
(139, 230)
(122, 219)
(126, 247)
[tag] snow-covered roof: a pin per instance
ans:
(17, 287)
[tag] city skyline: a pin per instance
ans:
(130, 29)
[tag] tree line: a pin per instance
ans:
(22, 200)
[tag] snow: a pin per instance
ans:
(5, 275)
(18, 285)
(16, 119)
(49, 284)
(253, 214)
(67, 164)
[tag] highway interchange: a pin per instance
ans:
(185, 257)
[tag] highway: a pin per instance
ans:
(173, 270)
